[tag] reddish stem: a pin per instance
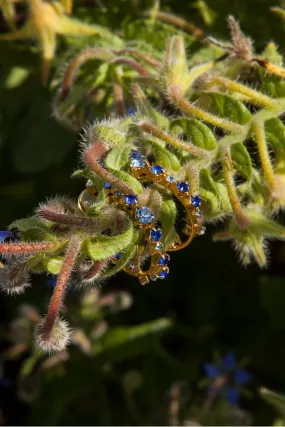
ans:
(77, 62)
(22, 248)
(119, 99)
(91, 157)
(131, 63)
(62, 281)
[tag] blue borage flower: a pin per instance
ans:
(226, 378)
(6, 235)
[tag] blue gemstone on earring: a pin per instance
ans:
(183, 186)
(170, 179)
(117, 256)
(157, 170)
(156, 234)
(144, 215)
(164, 260)
(119, 194)
(137, 160)
(202, 231)
(195, 201)
(198, 213)
(107, 185)
(163, 273)
(130, 199)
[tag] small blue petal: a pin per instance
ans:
(211, 370)
(229, 361)
(130, 111)
(242, 376)
(232, 395)
(5, 235)
(51, 282)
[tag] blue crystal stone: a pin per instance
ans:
(163, 273)
(157, 170)
(195, 201)
(158, 247)
(130, 199)
(119, 194)
(170, 179)
(198, 213)
(183, 186)
(202, 231)
(107, 185)
(164, 260)
(156, 234)
(117, 256)
(144, 215)
(137, 160)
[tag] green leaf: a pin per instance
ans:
(275, 399)
(229, 108)
(27, 224)
(126, 256)
(129, 341)
(167, 218)
(275, 133)
(130, 180)
(241, 160)
(54, 265)
(103, 247)
(29, 364)
(164, 157)
(209, 192)
(198, 133)
(154, 33)
(118, 156)
(272, 55)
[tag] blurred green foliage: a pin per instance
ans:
(208, 304)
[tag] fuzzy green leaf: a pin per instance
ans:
(209, 192)
(198, 133)
(164, 157)
(103, 247)
(229, 108)
(241, 160)
(118, 156)
(130, 180)
(275, 133)
(126, 256)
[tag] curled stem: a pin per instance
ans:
(154, 130)
(119, 98)
(240, 216)
(260, 139)
(140, 55)
(254, 97)
(73, 68)
(192, 110)
(61, 284)
(131, 63)
(92, 158)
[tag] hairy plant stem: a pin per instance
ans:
(61, 284)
